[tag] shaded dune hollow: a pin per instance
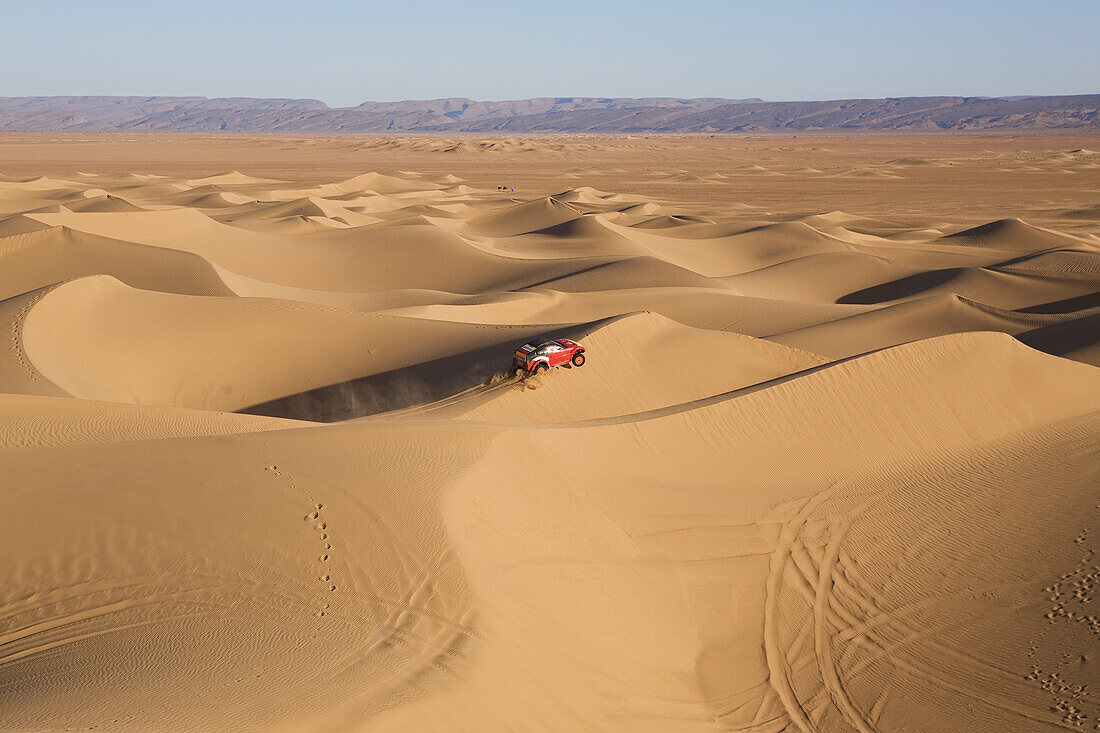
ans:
(265, 463)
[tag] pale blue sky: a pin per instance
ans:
(347, 52)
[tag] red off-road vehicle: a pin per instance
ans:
(538, 356)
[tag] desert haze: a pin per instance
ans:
(548, 114)
(831, 465)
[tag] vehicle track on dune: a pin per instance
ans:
(836, 619)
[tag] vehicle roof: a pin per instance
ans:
(539, 343)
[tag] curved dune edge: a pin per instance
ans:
(637, 363)
(56, 254)
(441, 605)
(922, 318)
(32, 421)
(216, 353)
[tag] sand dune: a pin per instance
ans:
(440, 593)
(265, 465)
(228, 178)
(30, 421)
(922, 318)
(55, 254)
(161, 359)
(1010, 234)
(653, 371)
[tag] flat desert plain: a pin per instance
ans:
(832, 463)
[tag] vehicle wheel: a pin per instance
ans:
(578, 359)
(542, 366)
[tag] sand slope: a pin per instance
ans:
(264, 466)
(638, 363)
(806, 564)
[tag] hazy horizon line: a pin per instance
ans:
(563, 97)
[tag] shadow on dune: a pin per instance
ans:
(1066, 305)
(1066, 337)
(920, 282)
(901, 288)
(393, 390)
(411, 386)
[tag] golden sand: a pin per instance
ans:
(832, 462)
